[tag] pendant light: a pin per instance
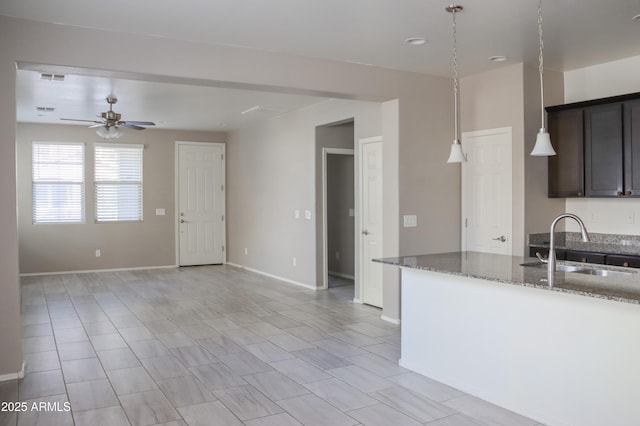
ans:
(543, 145)
(456, 155)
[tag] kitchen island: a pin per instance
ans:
(482, 323)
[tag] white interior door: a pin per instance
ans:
(371, 219)
(200, 203)
(486, 180)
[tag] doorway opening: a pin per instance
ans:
(338, 207)
(340, 218)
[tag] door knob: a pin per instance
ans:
(365, 232)
(501, 238)
(184, 221)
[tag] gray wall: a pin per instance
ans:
(510, 96)
(71, 247)
(273, 169)
(422, 119)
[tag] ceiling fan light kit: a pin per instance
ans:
(109, 126)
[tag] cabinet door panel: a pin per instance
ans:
(603, 150)
(632, 148)
(566, 172)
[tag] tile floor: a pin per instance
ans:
(214, 345)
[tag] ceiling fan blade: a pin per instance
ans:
(138, 123)
(131, 126)
(96, 125)
(87, 121)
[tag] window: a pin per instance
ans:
(57, 176)
(118, 182)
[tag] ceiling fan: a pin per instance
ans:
(108, 126)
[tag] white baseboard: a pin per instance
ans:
(389, 319)
(341, 275)
(357, 301)
(13, 376)
(88, 271)
(276, 277)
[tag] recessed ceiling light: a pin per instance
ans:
(498, 58)
(415, 41)
(636, 18)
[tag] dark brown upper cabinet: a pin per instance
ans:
(603, 151)
(566, 169)
(632, 148)
(598, 148)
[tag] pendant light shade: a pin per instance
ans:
(543, 145)
(456, 155)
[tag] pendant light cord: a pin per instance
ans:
(541, 64)
(455, 75)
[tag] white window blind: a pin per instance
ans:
(57, 176)
(118, 182)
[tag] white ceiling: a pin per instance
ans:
(578, 33)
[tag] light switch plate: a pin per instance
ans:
(307, 214)
(296, 214)
(410, 221)
(160, 212)
(352, 212)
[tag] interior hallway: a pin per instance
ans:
(214, 345)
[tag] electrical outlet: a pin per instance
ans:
(98, 253)
(631, 217)
(246, 251)
(307, 214)
(337, 255)
(295, 262)
(296, 214)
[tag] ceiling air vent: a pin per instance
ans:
(45, 109)
(51, 77)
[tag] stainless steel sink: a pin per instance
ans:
(579, 269)
(561, 268)
(603, 272)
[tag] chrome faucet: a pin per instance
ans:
(552, 244)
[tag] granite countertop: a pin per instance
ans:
(600, 243)
(508, 270)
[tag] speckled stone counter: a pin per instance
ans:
(600, 243)
(508, 270)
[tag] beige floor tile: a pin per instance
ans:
(131, 380)
(41, 361)
(202, 415)
(276, 385)
(382, 415)
(50, 411)
(91, 395)
(82, 370)
(115, 359)
(185, 390)
(246, 402)
(148, 408)
(41, 384)
(340, 394)
(313, 411)
(164, 367)
(110, 416)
